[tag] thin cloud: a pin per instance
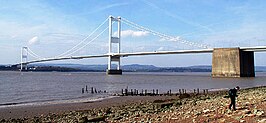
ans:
(132, 33)
(177, 38)
(110, 6)
(103, 8)
(34, 40)
(251, 32)
(160, 48)
(177, 17)
(64, 36)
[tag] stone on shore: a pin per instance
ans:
(213, 107)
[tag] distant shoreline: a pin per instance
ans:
(102, 68)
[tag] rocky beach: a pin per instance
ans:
(211, 107)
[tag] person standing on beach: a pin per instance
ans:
(233, 95)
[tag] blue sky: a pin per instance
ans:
(51, 27)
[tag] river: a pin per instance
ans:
(28, 88)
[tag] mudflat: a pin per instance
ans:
(211, 107)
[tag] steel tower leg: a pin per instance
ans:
(24, 58)
(114, 40)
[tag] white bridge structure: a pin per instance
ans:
(114, 54)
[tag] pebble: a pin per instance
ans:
(205, 111)
(259, 113)
(262, 120)
(207, 108)
(246, 111)
(241, 121)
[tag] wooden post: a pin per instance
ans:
(170, 92)
(92, 90)
(82, 90)
(197, 90)
(126, 92)
(145, 92)
(95, 90)
(180, 91)
(86, 88)
(157, 92)
(122, 92)
(194, 91)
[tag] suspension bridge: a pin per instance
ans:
(226, 62)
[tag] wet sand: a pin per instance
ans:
(184, 108)
(38, 110)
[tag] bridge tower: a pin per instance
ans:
(24, 58)
(114, 38)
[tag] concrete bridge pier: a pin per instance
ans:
(232, 62)
(22, 67)
(110, 70)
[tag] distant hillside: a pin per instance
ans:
(75, 66)
(142, 68)
(202, 66)
(260, 68)
(7, 68)
(126, 68)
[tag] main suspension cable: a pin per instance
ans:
(65, 53)
(162, 35)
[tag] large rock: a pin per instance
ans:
(96, 119)
(166, 104)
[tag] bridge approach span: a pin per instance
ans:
(121, 55)
(254, 49)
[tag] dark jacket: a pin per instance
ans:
(233, 92)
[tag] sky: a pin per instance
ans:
(52, 28)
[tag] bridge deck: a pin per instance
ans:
(255, 49)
